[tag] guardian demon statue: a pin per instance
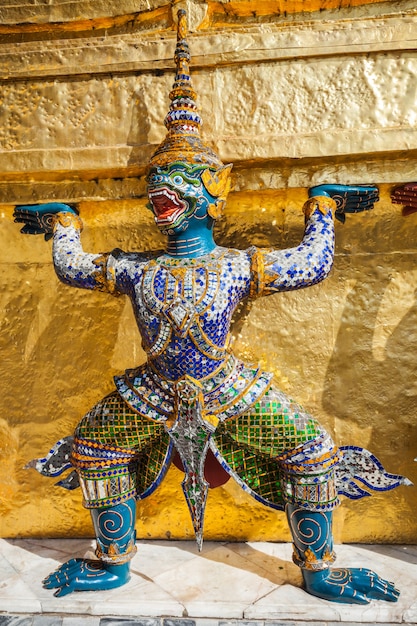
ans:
(193, 402)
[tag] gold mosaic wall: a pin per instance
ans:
(292, 100)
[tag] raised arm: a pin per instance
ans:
(311, 261)
(72, 265)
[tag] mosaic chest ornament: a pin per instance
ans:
(193, 402)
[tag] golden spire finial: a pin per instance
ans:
(183, 142)
(182, 25)
(182, 86)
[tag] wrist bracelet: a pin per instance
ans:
(322, 203)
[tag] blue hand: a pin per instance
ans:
(39, 219)
(348, 198)
(86, 575)
(351, 586)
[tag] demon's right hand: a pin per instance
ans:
(39, 219)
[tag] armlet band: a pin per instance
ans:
(68, 219)
(322, 203)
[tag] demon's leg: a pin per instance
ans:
(115, 534)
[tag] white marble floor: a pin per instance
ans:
(255, 582)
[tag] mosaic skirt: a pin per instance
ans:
(275, 451)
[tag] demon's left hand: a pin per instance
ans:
(406, 195)
(353, 586)
(348, 198)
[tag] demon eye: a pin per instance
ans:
(178, 180)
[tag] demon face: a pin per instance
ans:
(176, 194)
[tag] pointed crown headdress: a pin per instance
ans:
(183, 142)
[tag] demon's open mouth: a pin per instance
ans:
(166, 204)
